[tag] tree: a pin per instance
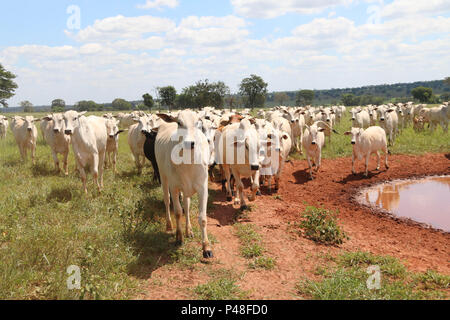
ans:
(27, 106)
(281, 97)
(121, 104)
(58, 105)
(203, 94)
(88, 106)
(304, 97)
(253, 90)
(168, 95)
(7, 86)
(350, 100)
(148, 101)
(447, 81)
(422, 94)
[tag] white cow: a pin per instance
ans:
(389, 122)
(360, 118)
(136, 139)
(112, 145)
(276, 151)
(3, 126)
(313, 142)
(183, 166)
(53, 127)
(238, 152)
(435, 116)
(89, 139)
(367, 142)
(25, 133)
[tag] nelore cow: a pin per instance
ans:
(89, 139)
(25, 134)
(182, 155)
(3, 126)
(52, 127)
(368, 142)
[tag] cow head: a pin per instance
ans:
(112, 128)
(187, 121)
(57, 122)
(72, 121)
(355, 133)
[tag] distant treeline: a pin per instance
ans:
(398, 92)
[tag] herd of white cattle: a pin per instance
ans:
(217, 137)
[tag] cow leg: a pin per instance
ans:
(33, 153)
(94, 170)
(166, 194)
(82, 175)
(56, 161)
(366, 173)
(65, 156)
(386, 152)
(227, 172)
(255, 186)
(202, 219)
(178, 212)
(114, 161)
(310, 166)
(186, 205)
(137, 159)
(378, 160)
(101, 167)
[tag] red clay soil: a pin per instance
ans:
(335, 188)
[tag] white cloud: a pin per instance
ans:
(121, 27)
(274, 8)
(404, 8)
(156, 4)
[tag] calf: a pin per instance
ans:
(3, 126)
(183, 166)
(52, 127)
(149, 151)
(25, 134)
(89, 140)
(136, 140)
(112, 144)
(367, 142)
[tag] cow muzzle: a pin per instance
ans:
(313, 143)
(353, 142)
(254, 167)
(29, 129)
(68, 132)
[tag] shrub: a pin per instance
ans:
(321, 226)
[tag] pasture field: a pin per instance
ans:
(118, 239)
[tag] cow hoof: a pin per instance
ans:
(229, 198)
(179, 243)
(244, 208)
(208, 254)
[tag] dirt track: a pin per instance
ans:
(334, 188)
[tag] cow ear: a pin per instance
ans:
(166, 117)
(82, 113)
(47, 118)
(321, 129)
(155, 130)
(390, 110)
(252, 120)
(347, 133)
(224, 123)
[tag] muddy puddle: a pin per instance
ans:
(424, 200)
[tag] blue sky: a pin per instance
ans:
(124, 50)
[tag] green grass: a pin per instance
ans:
(345, 279)
(222, 287)
(116, 238)
(320, 225)
(252, 247)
